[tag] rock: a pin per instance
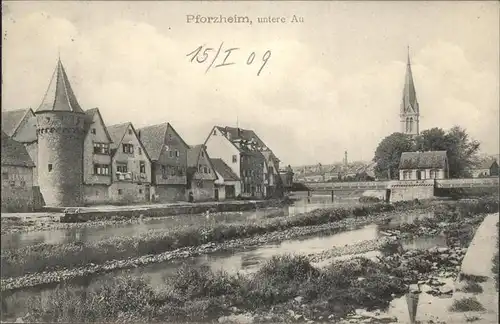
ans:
(299, 299)
(446, 290)
(298, 316)
(443, 249)
(291, 312)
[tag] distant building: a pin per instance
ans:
(423, 165)
(17, 176)
(168, 153)
(131, 166)
(228, 183)
(409, 111)
(487, 168)
(201, 174)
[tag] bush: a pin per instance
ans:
(470, 304)
(197, 294)
(472, 287)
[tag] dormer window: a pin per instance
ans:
(128, 148)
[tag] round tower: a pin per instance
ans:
(61, 134)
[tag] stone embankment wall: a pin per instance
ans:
(84, 216)
(410, 190)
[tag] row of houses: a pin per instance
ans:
(63, 155)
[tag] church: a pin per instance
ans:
(409, 113)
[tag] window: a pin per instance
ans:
(5, 175)
(140, 191)
(177, 154)
(215, 132)
(12, 183)
(93, 131)
(139, 151)
(142, 167)
(202, 154)
(101, 148)
(101, 169)
(235, 159)
(128, 148)
(122, 168)
(130, 132)
(50, 167)
(119, 191)
(433, 174)
(205, 169)
(200, 168)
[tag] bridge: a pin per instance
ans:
(382, 185)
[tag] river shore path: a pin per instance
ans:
(478, 261)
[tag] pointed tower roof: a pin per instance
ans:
(59, 95)
(409, 103)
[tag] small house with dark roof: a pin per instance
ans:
(423, 165)
(168, 152)
(130, 165)
(486, 168)
(228, 183)
(247, 155)
(17, 176)
(201, 174)
(97, 174)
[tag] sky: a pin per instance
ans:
(331, 83)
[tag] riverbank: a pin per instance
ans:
(285, 289)
(79, 267)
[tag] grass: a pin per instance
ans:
(496, 265)
(468, 304)
(47, 257)
(197, 294)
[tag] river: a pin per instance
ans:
(84, 233)
(242, 261)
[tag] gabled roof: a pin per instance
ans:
(423, 160)
(11, 120)
(224, 170)
(409, 102)
(14, 153)
(116, 132)
(486, 164)
(245, 140)
(91, 113)
(153, 138)
(193, 155)
(59, 95)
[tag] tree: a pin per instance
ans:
(388, 154)
(462, 152)
(461, 149)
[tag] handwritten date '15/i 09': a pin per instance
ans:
(210, 55)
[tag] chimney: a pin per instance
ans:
(345, 158)
(239, 132)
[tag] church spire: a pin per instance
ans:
(409, 111)
(59, 95)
